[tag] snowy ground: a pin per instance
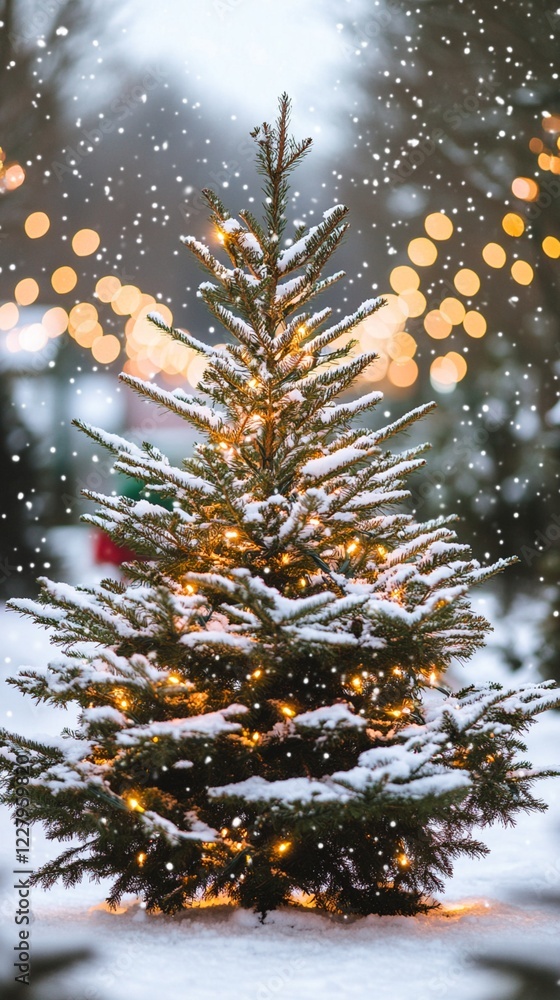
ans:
(221, 953)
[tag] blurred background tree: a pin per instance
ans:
(458, 112)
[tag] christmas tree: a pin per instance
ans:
(262, 710)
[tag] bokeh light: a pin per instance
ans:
(513, 224)
(36, 225)
(9, 315)
(437, 325)
(33, 337)
(551, 123)
(402, 345)
(551, 246)
(453, 310)
(107, 287)
(106, 349)
(404, 279)
(422, 251)
(83, 317)
(413, 303)
(126, 300)
(525, 188)
(64, 279)
(87, 333)
(438, 226)
(466, 281)
(522, 272)
(55, 321)
(402, 372)
(446, 371)
(494, 255)
(475, 324)
(26, 291)
(459, 362)
(14, 177)
(85, 242)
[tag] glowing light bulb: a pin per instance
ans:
(403, 861)
(141, 858)
(135, 805)
(173, 679)
(231, 534)
(289, 712)
(256, 737)
(356, 682)
(352, 547)
(284, 846)
(189, 589)
(155, 739)
(433, 677)
(257, 674)
(397, 671)
(381, 550)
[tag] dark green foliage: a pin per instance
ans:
(262, 707)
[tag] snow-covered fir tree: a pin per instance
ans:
(263, 714)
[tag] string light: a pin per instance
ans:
(381, 550)
(351, 548)
(231, 534)
(141, 858)
(256, 737)
(257, 674)
(284, 846)
(356, 682)
(433, 677)
(289, 712)
(135, 805)
(173, 679)
(403, 861)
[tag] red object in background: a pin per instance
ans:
(105, 550)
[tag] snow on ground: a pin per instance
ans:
(223, 953)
